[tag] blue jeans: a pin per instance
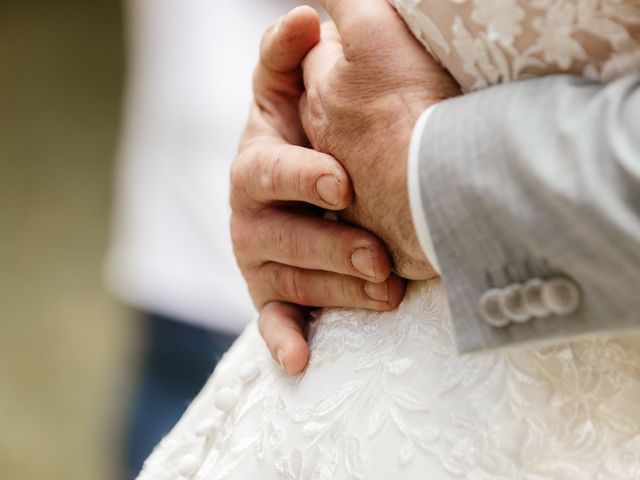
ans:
(177, 362)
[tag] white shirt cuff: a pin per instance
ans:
(415, 197)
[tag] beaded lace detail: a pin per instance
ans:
(385, 394)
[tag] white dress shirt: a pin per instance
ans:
(415, 199)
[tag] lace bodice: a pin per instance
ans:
(484, 42)
(385, 397)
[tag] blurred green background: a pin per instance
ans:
(66, 349)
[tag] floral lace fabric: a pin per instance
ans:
(385, 396)
(484, 42)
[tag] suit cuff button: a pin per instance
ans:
(513, 305)
(532, 293)
(490, 308)
(561, 296)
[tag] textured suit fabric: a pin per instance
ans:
(537, 178)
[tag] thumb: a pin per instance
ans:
(282, 49)
(277, 80)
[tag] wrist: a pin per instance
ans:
(396, 226)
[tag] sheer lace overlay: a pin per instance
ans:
(484, 42)
(385, 395)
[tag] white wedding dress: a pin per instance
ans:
(385, 396)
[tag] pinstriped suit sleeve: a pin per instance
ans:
(536, 178)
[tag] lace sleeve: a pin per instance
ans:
(484, 42)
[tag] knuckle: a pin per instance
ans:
(299, 286)
(240, 237)
(272, 174)
(261, 285)
(257, 296)
(243, 162)
(351, 295)
(256, 286)
(313, 103)
(236, 173)
(235, 199)
(289, 246)
(274, 177)
(274, 279)
(314, 112)
(238, 180)
(289, 284)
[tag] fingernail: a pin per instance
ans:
(280, 356)
(362, 260)
(328, 189)
(377, 291)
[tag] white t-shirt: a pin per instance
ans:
(187, 99)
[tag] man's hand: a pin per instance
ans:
(289, 254)
(367, 82)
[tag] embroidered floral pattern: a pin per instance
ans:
(385, 392)
(501, 18)
(483, 42)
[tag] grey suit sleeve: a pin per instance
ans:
(537, 178)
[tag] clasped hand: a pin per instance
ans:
(351, 91)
